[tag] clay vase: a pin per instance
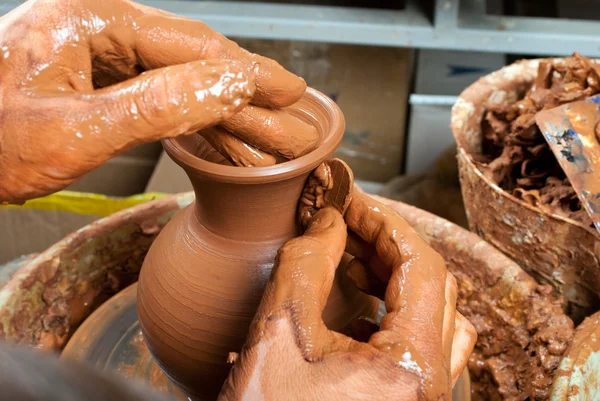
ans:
(204, 275)
(554, 249)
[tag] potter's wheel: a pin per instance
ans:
(111, 340)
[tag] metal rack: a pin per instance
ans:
(456, 25)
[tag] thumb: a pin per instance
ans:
(302, 279)
(305, 266)
(170, 101)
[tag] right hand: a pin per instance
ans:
(417, 353)
(84, 80)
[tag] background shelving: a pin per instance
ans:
(456, 25)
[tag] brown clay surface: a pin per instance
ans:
(205, 274)
(516, 156)
(115, 74)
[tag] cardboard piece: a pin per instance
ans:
(121, 176)
(25, 231)
(445, 73)
(124, 175)
(429, 136)
(370, 84)
(382, 4)
(168, 177)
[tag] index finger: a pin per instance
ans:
(161, 40)
(415, 299)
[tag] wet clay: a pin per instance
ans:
(516, 156)
(204, 276)
(115, 74)
(513, 362)
(409, 356)
(330, 184)
(552, 248)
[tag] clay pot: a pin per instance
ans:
(204, 276)
(554, 249)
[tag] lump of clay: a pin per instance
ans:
(516, 156)
(520, 343)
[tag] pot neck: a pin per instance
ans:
(248, 212)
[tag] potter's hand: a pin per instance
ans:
(74, 92)
(418, 350)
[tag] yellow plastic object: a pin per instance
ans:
(86, 203)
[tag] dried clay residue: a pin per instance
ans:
(64, 290)
(515, 154)
(521, 339)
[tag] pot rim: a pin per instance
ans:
(277, 172)
(459, 125)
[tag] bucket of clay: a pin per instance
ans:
(522, 330)
(553, 248)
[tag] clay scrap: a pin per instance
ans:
(330, 184)
(515, 155)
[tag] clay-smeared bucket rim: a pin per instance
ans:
(468, 112)
(314, 108)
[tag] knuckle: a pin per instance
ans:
(153, 104)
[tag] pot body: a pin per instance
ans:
(204, 276)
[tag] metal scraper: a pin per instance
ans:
(572, 132)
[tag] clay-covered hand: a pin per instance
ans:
(83, 80)
(419, 350)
